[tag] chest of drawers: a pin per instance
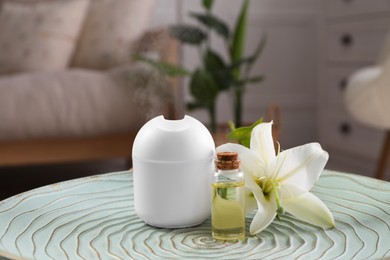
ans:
(352, 36)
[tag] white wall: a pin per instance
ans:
(165, 13)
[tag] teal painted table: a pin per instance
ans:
(93, 217)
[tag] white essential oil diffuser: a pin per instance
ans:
(172, 168)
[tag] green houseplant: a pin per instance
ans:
(215, 74)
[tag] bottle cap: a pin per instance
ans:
(227, 161)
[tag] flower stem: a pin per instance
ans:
(213, 119)
(280, 211)
(238, 106)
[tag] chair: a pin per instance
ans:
(368, 100)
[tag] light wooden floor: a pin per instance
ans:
(15, 180)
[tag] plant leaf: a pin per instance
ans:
(216, 66)
(259, 49)
(203, 87)
(165, 68)
(213, 61)
(213, 22)
(252, 58)
(188, 34)
(237, 47)
(231, 124)
(207, 4)
(243, 134)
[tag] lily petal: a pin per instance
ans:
(250, 201)
(311, 209)
(250, 182)
(300, 167)
(262, 142)
(232, 147)
(266, 211)
(249, 160)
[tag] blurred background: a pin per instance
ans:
(312, 48)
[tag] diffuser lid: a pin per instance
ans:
(184, 140)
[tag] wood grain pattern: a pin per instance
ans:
(94, 218)
(59, 150)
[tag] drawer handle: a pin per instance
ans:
(343, 84)
(346, 40)
(345, 129)
(347, 1)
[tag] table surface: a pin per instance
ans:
(93, 217)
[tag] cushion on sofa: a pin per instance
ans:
(110, 28)
(39, 35)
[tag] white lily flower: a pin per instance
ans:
(281, 182)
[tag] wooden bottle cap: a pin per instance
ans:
(227, 156)
(227, 161)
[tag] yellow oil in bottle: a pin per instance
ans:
(228, 213)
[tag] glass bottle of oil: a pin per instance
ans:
(228, 212)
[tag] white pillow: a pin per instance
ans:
(39, 35)
(110, 28)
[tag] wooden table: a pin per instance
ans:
(94, 218)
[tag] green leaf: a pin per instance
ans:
(188, 34)
(249, 61)
(231, 124)
(203, 87)
(216, 66)
(259, 50)
(213, 61)
(237, 47)
(223, 78)
(213, 22)
(207, 4)
(165, 68)
(243, 134)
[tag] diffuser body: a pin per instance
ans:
(172, 167)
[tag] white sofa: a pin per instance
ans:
(90, 104)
